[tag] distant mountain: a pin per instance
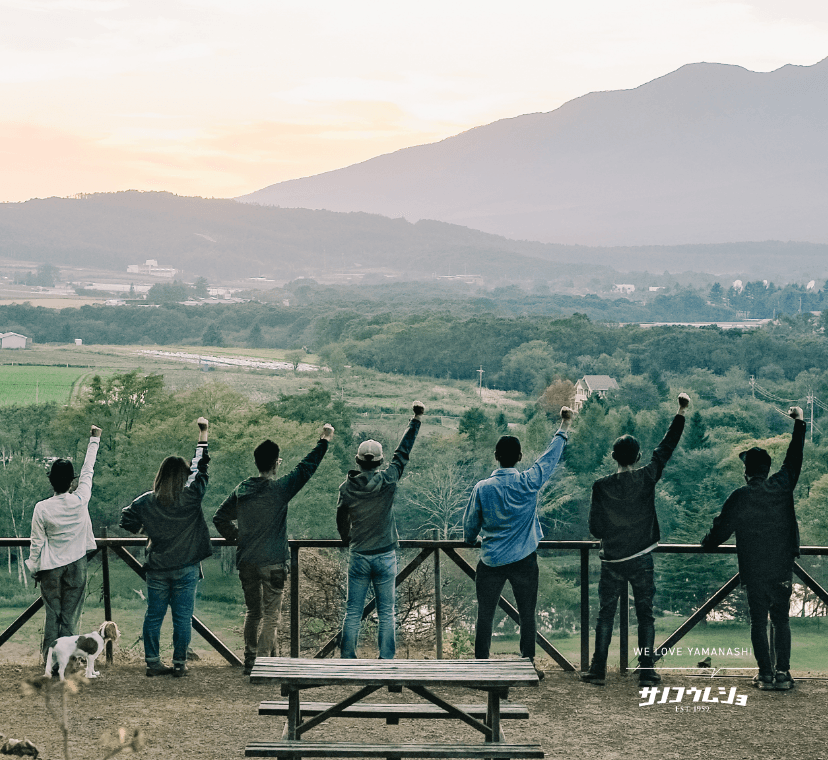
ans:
(710, 153)
(229, 241)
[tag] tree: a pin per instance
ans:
(121, 398)
(439, 495)
(475, 424)
(168, 292)
(201, 287)
(212, 336)
(254, 339)
(558, 394)
(696, 435)
(295, 358)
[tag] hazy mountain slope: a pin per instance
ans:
(708, 153)
(222, 239)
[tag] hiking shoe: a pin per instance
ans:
(763, 681)
(782, 681)
(180, 670)
(648, 677)
(158, 669)
(595, 675)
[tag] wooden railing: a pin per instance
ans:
(436, 549)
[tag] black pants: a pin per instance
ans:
(772, 599)
(613, 581)
(489, 583)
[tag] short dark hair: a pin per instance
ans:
(507, 450)
(61, 475)
(266, 455)
(757, 462)
(626, 450)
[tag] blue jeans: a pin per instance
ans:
(614, 575)
(175, 589)
(379, 570)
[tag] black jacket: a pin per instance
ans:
(178, 534)
(260, 507)
(623, 511)
(761, 514)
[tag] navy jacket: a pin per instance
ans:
(761, 514)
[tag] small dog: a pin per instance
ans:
(88, 646)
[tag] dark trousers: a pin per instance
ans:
(772, 599)
(63, 590)
(489, 583)
(614, 576)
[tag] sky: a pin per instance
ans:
(218, 98)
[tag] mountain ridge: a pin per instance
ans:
(705, 154)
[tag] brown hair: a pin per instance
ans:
(170, 480)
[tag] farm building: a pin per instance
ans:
(14, 340)
(590, 384)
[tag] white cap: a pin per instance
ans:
(370, 451)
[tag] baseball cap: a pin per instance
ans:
(369, 451)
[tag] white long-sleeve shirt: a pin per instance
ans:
(61, 526)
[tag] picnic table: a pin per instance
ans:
(495, 677)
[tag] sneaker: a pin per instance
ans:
(763, 681)
(648, 677)
(782, 681)
(158, 668)
(595, 675)
(180, 670)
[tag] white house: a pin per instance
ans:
(589, 384)
(13, 340)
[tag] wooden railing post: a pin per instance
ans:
(438, 602)
(107, 594)
(584, 607)
(294, 601)
(624, 624)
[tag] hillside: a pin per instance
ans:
(223, 239)
(710, 153)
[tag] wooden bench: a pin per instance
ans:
(296, 748)
(393, 712)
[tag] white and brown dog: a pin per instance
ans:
(88, 646)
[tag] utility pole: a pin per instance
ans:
(480, 381)
(811, 404)
(753, 385)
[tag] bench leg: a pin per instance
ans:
(493, 715)
(293, 714)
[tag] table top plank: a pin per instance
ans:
(323, 672)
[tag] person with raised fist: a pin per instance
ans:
(761, 514)
(623, 515)
(254, 518)
(61, 536)
(171, 516)
(503, 511)
(366, 523)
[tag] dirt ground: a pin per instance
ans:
(212, 713)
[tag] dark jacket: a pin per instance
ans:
(260, 507)
(623, 511)
(178, 534)
(364, 510)
(761, 514)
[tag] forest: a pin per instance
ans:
(740, 382)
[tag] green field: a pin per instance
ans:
(22, 384)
